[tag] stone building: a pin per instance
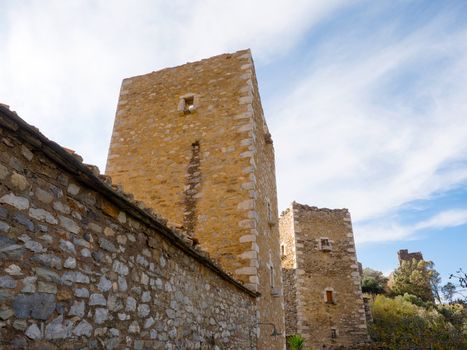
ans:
(84, 266)
(86, 263)
(192, 143)
(322, 286)
(404, 255)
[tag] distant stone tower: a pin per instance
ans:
(323, 297)
(192, 142)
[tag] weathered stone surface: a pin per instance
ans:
(56, 329)
(29, 284)
(44, 196)
(62, 208)
(107, 245)
(43, 287)
(19, 181)
(38, 305)
(5, 294)
(83, 329)
(3, 172)
(33, 332)
(130, 304)
(13, 270)
(20, 325)
(42, 215)
(7, 282)
(69, 224)
(47, 275)
(315, 245)
(97, 299)
(104, 284)
(26, 153)
(77, 309)
(73, 189)
(120, 268)
(67, 246)
(70, 263)
(34, 246)
(23, 220)
(134, 327)
(19, 203)
(82, 293)
(48, 260)
(6, 312)
(4, 227)
(74, 277)
(101, 315)
(143, 310)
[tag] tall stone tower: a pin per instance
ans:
(192, 142)
(323, 297)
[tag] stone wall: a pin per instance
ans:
(84, 266)
(321, 269)
(209, 169)
(289, 265)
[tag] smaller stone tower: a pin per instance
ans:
(404, 255)
(322, 282)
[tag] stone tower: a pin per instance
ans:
(192, 143)
(323, 297)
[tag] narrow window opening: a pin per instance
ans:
(271, 276)
(329, 297)
(282, 249)
(333, 333)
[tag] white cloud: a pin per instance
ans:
(361, 134)
(390, 230)
(62, 62)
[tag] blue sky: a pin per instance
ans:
(365, 99)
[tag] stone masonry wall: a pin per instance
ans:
(84, 267)
(225, 195)
(341, 322)
(289, 265)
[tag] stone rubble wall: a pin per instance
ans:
(319, 270)
(223, 191)
(80, 269)
(289, 275)
(309, 271)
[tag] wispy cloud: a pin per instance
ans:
(376, 123)
(62, 63)
(391, 230)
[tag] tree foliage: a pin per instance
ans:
(400, 324)
(373, 282)
(457, 289)
(296, 342)
(418, 278)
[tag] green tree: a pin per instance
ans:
(373, 282)
(399, 324)
(449, 290)
(418, 278)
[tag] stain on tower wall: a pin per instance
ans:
(152, 145)
(330, 309)
(84, 266)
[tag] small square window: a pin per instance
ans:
(325, 244)
(189, 104)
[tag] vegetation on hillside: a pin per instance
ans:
(409, 312)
